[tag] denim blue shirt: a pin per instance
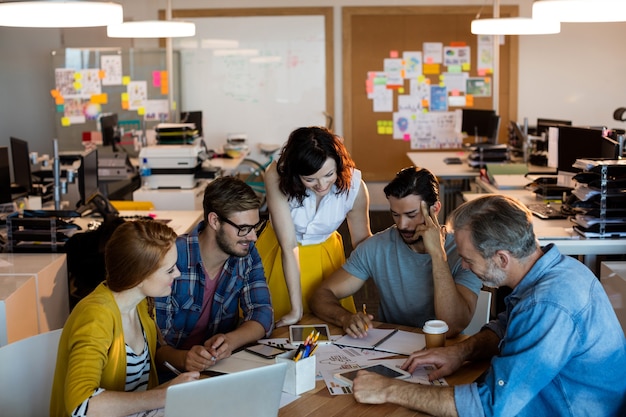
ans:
(562, 350)
(242, 284)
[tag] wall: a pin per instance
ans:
(577, 74)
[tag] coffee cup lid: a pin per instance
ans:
(435, 327)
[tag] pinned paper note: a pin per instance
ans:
(431, 69)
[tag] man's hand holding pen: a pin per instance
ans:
(218, 347)
(359, 323)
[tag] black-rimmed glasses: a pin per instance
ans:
(243, 229)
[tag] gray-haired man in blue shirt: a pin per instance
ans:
(557, 349)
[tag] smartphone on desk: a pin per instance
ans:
(452, 161)
(264, 351)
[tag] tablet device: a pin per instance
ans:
(380, 368)
(264, 351)
(298, 333)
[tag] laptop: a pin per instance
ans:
(254, 392)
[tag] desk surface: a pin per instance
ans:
(319, 402)
(434, 162)
(560, 232)
(182, 221)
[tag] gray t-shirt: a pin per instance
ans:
(403, 277)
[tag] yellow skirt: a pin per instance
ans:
(317, 262)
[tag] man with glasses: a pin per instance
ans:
(414, 264)
(221, 276)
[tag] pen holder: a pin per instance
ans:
(300, 375)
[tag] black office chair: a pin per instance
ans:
(85, 258)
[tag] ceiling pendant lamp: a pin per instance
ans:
(60, 14)
(167, 28)
(152, 29)
(515, 26)
(581, 10)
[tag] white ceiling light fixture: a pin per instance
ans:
(515, 26)
(60, 14)
(581, 10)
(152, 29)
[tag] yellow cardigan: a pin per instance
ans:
(92, 351)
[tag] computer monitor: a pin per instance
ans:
(544, 124)
(5, 176)
(86, 165)
(481, 123)
(578, 143)
(88, 175)
(22, 176)
(610, 148)
(194, 117)
(110, 130)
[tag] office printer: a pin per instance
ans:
(114, 166)
(172, 166)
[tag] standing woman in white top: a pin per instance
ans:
(312, 188)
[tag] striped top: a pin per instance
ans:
(137, 374)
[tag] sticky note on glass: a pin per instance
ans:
(125, 80)
(65, 121)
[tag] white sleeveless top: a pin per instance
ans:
(313, 227)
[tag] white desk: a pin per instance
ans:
(227, 165)
(434, 162)
(18, 308)
(453, 178)
(173, 198)
(560, 232)
(182, 221)
(52, 292)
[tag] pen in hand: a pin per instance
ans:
(171, 368)
(365, 313)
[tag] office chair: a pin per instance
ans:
(481, 314)
(26, 375)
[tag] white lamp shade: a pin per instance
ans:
(60, 14)
(152, 29)
(515, 26)
(581, 10)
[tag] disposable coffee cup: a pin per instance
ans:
(435, 333)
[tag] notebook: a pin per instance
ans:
(386, 340)
(255, 392)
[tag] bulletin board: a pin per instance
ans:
(372, 34)
(79, 103)
(284, 83)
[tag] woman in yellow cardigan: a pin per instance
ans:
(105, 364)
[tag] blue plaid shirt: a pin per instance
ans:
(242, 284)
